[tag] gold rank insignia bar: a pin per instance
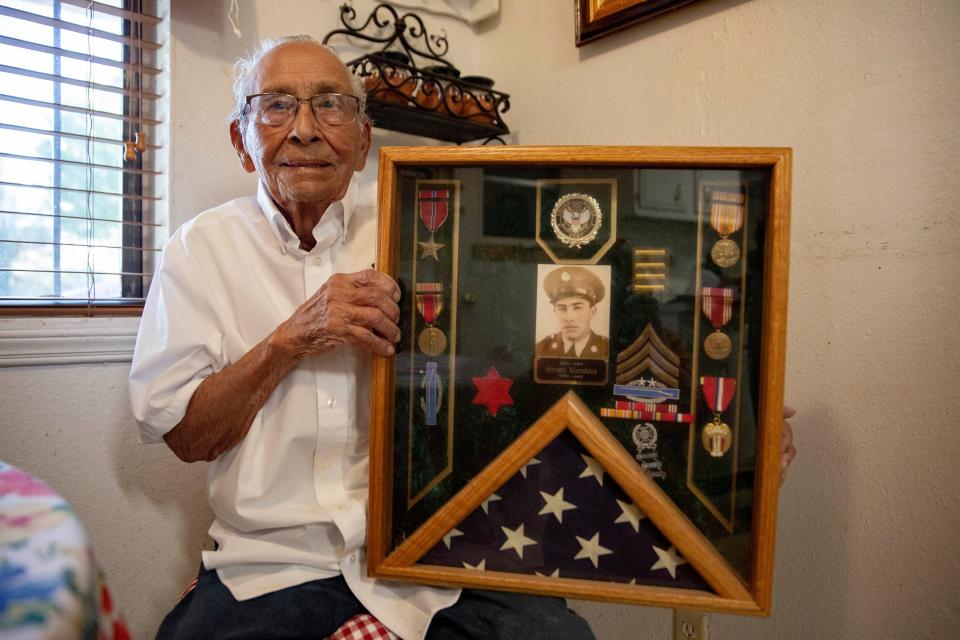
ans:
(649, 270)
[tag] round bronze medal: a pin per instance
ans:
(725, 252)
(717, 345)
(432, 342)
(717, 438)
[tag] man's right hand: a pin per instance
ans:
(358, 309)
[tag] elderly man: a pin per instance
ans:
(254, 355)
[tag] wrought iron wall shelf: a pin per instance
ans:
(428, 100)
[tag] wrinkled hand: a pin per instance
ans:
(787, 450)
(357, 309)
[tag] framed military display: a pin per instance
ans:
(586, 399)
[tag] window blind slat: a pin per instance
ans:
(77, 28)
(67, 217)
(53, 300)
(65, 134)
(74, 244)
(76, 55)
(126, 196)
(72, 109)
(75, 163)
(77, 273)
(144, 95)
(99, 7)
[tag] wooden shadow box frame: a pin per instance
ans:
(741, 585)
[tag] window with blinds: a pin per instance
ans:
(79, 174)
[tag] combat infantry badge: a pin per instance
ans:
(576, 219)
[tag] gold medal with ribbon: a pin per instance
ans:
(717, 303)
(429, 298)
(718, 392)
(726, 218)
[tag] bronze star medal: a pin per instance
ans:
(430, 248)
(434, 211)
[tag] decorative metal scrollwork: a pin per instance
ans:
(425, 100)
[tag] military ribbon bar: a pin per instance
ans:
(717, 305)
(718, 392)
(430, 300)
(726, 212)
(655, 416)
(649, 407)
(434, 208)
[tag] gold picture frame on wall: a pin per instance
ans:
(586, 398)
(598, 18)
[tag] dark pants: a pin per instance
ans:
(316, 609)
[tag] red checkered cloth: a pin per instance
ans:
(363, 627)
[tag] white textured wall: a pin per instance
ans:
(867, 95)
(145, 512)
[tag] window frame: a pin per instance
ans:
(132, 215)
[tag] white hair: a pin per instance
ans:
(245, 65)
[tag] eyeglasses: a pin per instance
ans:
(279, 109)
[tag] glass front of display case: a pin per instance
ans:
(633, 291)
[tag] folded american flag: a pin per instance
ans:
(563, 516)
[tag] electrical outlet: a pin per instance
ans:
(690, 625)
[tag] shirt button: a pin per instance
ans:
(353, 558)
(342, 506)
(324, 464)
(332, 402)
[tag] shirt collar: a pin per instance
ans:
(579, 345)
(337, 214)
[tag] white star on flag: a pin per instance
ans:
(486, 503)
(452, 534)
(555, 504)
(555, 574)
(668, 559)
(516, 540)
(593, 468)
(480, 566)
(530, 462)
(591, 549)
(631, 513)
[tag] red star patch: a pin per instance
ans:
(493, 391)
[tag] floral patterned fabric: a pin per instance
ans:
(50, 584)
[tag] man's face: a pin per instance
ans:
(305, 162)
(574, 315)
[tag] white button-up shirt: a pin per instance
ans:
(290, 499)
